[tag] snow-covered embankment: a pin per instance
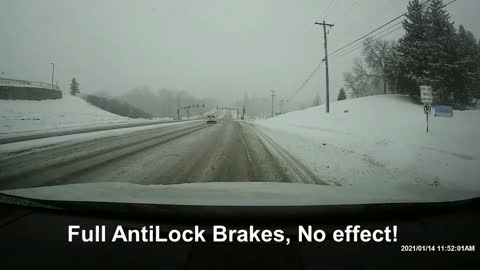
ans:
(381, 144)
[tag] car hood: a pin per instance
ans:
(238, 194)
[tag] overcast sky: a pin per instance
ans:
(217, 48)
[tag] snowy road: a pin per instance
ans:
(229, 151)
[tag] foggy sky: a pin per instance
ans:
(210, 48)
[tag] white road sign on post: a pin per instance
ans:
(426, 94)
(426, 97)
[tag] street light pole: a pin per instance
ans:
(53, 72)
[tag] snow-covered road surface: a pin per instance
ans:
(229, 151)
(378, 145)
(23, 120)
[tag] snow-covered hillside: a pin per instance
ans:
(67, 112)
(381, 143)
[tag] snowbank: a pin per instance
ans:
(381, 143)
(67, 112)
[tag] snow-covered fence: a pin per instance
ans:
(25, 83)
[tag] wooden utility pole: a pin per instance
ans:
(326, 62)
(273, 95)
(178, 107)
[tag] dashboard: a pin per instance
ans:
(430, 236)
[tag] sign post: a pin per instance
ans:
(427, 108)
(427, 99)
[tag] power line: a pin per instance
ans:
(376, 29)
(360, 45)
(367, 35)
(372, 17)
(320, 64)
(327, 8)
(304, 83)
(317, 68)
(381, 10)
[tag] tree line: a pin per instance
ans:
(110, 104)
(117, 107)
(164, 102)
(432, 51)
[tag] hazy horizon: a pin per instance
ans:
(209, 48)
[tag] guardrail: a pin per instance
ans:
(25, 83)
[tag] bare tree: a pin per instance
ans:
(376, 53)
(353, 83)
(355, 80)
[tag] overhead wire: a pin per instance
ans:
(305, 82)
(380, 12)
(367, 36)
(322, 14)
(371, 32)
(358, 46)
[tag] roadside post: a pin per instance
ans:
(427, 108)
(187, 108)
(427, 99)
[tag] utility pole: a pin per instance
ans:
(326, 61)
(53, 72)
(263, 109)
(236, 107)
(178, 107)
(273, 95)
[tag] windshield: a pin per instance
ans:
(240, 102)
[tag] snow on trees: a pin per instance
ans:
(341, 95)
(431, 51)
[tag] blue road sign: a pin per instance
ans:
(443, 111)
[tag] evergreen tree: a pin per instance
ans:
(442, 54)
(467, 80)
(341, 95)
(412, 51)
(74, 87)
